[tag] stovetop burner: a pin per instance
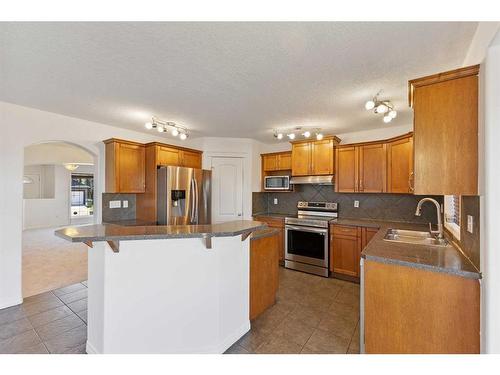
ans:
(314, 214)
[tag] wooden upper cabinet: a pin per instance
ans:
(372, 168)
(375, 167)
(285, 161)
(191, 159)
(168, 156)
(176, 156)
(445, 122)
(314, 157)
(400, 165)
(301, 159)
(346, 169)
(269, 162)
(125, 166)
(280, 161)
(322, 157)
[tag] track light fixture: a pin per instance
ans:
(384, 107)
(293, 133)
(167, 126)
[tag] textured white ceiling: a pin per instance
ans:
(224, 79)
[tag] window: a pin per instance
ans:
(452, 215)
(82, 195)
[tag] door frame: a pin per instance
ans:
(246, 182)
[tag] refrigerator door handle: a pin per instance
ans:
(192, 199)
(197, 201)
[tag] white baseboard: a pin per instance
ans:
(10, 303)
(90, 349)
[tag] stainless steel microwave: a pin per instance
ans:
(277, 183)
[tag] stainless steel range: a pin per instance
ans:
(307, 239)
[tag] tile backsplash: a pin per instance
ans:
(116, 214)
(392, 207)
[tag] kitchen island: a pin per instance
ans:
(166, 289)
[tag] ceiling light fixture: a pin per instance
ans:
(294, 133)
(319, 136)
(382, 106)
(166, 126)
(70, 166)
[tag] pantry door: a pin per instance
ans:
(227, 189)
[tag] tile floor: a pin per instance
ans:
(51, 322)
(312, 315)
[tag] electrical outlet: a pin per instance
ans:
(470, 223)
(115, 204)
(125, 204)
(356, 204)
(275, 201)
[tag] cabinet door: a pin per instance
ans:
(269, 162)
(346, 169)
(285, 161)
(446, 137)
(130, 167)
(169, 156)
(400, 166)
(301, 159)
(322, 157)
(344, 255)
(191, 159)
(368, 235)
(373, 168)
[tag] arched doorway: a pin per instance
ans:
(59, 189)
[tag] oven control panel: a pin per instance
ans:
(327, 206)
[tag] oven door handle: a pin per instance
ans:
(307, 229)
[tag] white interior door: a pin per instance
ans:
(227, 189)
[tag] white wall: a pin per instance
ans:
(490, 225)
(21, 127)
(50, 212)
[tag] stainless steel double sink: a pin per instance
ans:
(414, 237)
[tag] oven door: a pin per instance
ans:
(307, 245)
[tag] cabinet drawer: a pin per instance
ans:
(344, 230)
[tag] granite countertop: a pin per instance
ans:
(273, 214)
(448, 259)
(116, 232)
(261, 233)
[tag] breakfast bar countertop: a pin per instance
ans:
(116, 232)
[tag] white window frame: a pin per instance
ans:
(453, 228)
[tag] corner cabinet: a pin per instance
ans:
(445, 120)
(314, 158)
(125, 169)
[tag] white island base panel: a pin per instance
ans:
(168, 296)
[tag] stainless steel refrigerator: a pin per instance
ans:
(184, 196)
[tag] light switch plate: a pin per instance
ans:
(125, 204)
(115, 204)
(356, 204)
(470, 223)
(275, 201)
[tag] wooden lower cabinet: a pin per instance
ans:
(346, 244)
(414, 311)
(264, 273)
(279, 224)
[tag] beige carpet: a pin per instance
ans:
(50, 262)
